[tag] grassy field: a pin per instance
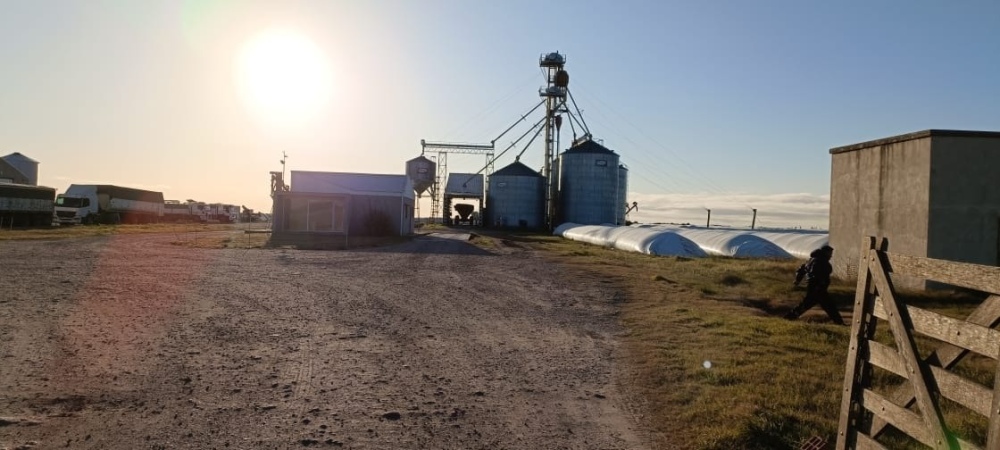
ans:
(187, 235)
(714, 364)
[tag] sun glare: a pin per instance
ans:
(284, 77)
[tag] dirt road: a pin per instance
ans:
(134, 341)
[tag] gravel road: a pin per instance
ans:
(135, 341)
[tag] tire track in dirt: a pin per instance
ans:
(430, 344)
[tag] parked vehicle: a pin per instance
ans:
(194, 211)
(23, 205)
(102, 203)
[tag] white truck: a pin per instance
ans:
(104, 203)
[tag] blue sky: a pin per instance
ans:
(722, 105)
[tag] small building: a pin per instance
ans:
(344, 204)
(463, 186)
(18, 169)
(932, 193)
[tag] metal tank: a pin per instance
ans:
(588, 184)
(622, 194)
(516, 198)
(421, 171)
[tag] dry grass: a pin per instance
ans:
(67, 232)
(484, 242)
(771, 384)
(231, 240)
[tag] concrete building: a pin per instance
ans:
(344, 204)
(933, 193)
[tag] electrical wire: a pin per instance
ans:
(489, 109)
(512, 145)
(681, 163)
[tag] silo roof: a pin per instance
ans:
(464, 184)
(589, 146)
(517, 169)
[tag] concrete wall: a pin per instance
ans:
(881, 191)
(965, 200)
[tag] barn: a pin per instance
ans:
(932, 193)
(344, 204)
(18, 169)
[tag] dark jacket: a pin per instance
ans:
(820, 270)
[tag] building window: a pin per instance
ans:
(317, 215)
(320, 215)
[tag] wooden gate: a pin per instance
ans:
(865, 414)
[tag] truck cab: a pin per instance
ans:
(71, 210)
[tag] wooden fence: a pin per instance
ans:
(865, 414)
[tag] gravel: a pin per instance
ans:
(134, 341)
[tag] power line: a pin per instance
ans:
(646, 163)
(676, 155)
(490, 109)
(677, 169)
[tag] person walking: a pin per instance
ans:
(818, 271)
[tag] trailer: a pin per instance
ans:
(103, 203)
(23, 205)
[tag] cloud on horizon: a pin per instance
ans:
(773, 210)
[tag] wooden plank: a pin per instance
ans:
(903, 419)
(953, 387)
(887, 358)
(993, 429)
(906, 421)
(864, 442)
(863, 320)
(972, 276)
(946, 356)
(956, 332)
(966, 445)
(967, 393)
(900, 324)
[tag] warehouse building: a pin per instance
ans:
(932, 193)
(18, 169)
(344, 204)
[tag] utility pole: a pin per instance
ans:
(284, 156)
(708, 223)
(753, 224)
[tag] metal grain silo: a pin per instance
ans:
(588, 184)
(421, 171)
(622, 194)
(516, 198)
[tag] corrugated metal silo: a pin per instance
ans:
(588, 184)
(516, 198)
(421, 170)
(622, 194)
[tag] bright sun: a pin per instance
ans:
(284, 77)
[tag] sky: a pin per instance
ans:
(721, 105)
